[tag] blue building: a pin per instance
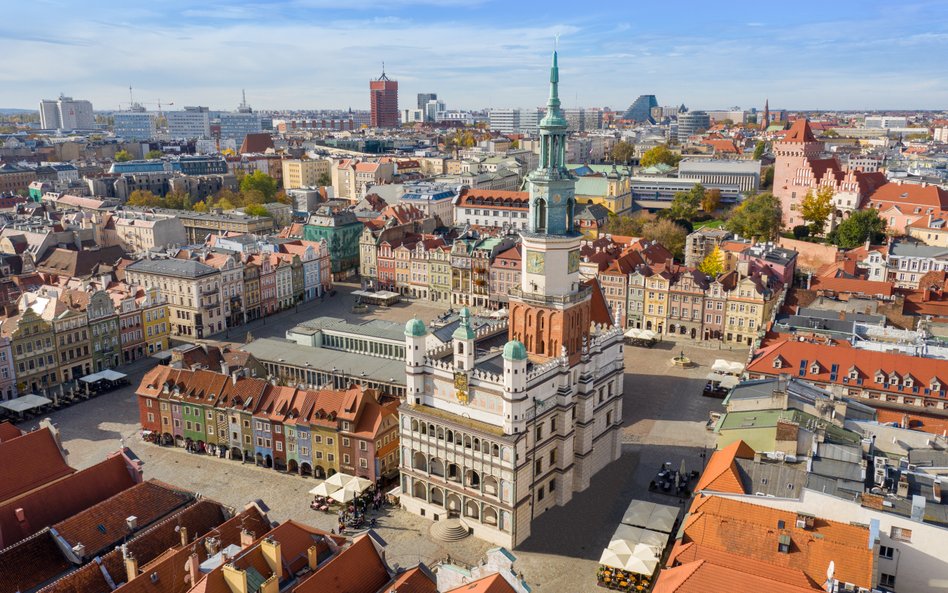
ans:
(188, 165)
(641, 109)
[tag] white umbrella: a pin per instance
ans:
(638, 512)
(640, 565)
(614, 560)
(621, 546)
(323, 489)
(359, 484)
(343, 495)
(339, 480)
(637, 535)
(662, 518)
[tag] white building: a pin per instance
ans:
(134, 125)
(193, 123)
(497, 429)
(886, 122)
(744, 174)
(66, 113)
(236, 125)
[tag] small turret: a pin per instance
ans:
(464, 343)
(415, 337)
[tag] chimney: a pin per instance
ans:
(312, 556)
(271, 585)
(235, 578)
(271, 553)
(131, 566)
(183, 532)
(246, 538)
(194, 568)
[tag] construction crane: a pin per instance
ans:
(132, 103)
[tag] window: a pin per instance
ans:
(363, 463)
(317, 439)
(901, 534)
(345, 441)
(304, 451)
(329, 441)
(538, 468)
(363, 446)
(345, 458)
(319, 454)
(886, 552)
(279, 445)
(540, 493)
(278, 429)
(887, 580)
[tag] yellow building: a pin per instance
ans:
(155, 321)
(930, 230)
(748, 309)
(299, 173)
(325, 448)
(655, 303)
(601, 184)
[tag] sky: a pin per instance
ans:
(320, 54)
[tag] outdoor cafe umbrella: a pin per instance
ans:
(323, 489)
(339, 480)
(621, 546)
(359, 484)
(637, 535)
(344, 495)
(642, 561)
(613, 559)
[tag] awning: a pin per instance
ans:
(726, 381)
(727, 368)
(639, 535)
(91, 378)
(25, 402)
(639, 334)
(110, 375)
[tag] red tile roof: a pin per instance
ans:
(414, 580)
(800, 132)
(600, 309)
(494, 583)
(722, 473)
(8, 431)
(702, 576)
(31, 563)
(103, 525)
(63, 498)
(357, 569)
(911, 195)
(30, 461)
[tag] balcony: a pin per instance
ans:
(540, 299)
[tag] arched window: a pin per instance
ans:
(540, 222)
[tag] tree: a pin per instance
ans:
(861, 225)
(623, 152)
(261, 182)
(324, 179)
(256, 210)
(232, 197)
(713, 264)
(666, 232)
(154, 154)
(177, 201)
(282, 198)
(122, 156)
(224, 204)
(759, 150)
(801, 231)
(816, 208)
(685, 204)
(660, 155)
(253, 196)
(758, 217)
(767, 180)
(144, 198)
(200, 206)
(627, 226)
(711, 200)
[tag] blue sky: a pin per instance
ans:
(802, 54)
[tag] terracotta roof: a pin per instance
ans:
(63, 498)
(702, 576)
(256, 142)
(518, 200)
(357, 569)
(600, 309)
(68, 262)
(30, 461)
(103, 525)
(494, 583)
(800, 132)
(929, 423)
(910, 194)
(852, 286)
(754, 531)
(683, 553)
(31, 563)
(722, 473)
(8, 431)
(413, 580)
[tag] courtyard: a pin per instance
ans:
(663, 421)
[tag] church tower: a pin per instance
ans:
(550, 313)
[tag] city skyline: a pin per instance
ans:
(858, 56)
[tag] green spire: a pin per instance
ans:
(554, 102)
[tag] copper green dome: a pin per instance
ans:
(464, 330)
(515, 350)
(415, 328)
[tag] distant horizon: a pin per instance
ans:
(866, 56)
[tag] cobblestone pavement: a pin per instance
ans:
(664, 420)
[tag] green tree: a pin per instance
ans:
(200, 206)
(713, 264)
(660, 154)
(759, 150)
(627, 226)
(233, 198)
(685, 204)
(861, 225)
(256, 210)
(261, 182)
(758, 217)
(324, 179)
(224, 204)
(623, 152)
(177, 201)
(767, 180)
(711, 200)
(816, 209)
(666, 232)
(144, 198)
(154, 154)
(122, 156)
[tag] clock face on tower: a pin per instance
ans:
(573, 261)
(535, 261)
(557, 198)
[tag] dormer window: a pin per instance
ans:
(908, 381)
(935, 385)
(814, 368)
(778, 363)
(893, 379)
(880, 377)
(853, 373)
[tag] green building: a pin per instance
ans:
(341, 230)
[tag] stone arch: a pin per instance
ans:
(306, 469)
(490, 485)
(292, 466)
(539, 221)
(424, 428)
(477, 444)
(467, 441)
(454, 472)
(419, 490)
(319, 472)
(419, 462)
(472, 510)
(472, 479)
(414, 425)
(452, 502)
(495, 450)
(436, 496)
(450, 436)
(436, 467)
(440, 433)
(490, 516)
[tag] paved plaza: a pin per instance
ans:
(664, 421)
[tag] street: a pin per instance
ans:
(664, 421)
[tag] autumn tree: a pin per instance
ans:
(256, 210)
(324, 179)
(757, 217)
(261, 182)
(627, 226)
(154, 154)
(759, 149)
(711, 200)
(816, 208)
(144, 198)
(200, 206)
(122, 156)
(713, 264)
(623, 152)
(666, 232)
(660, 155)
